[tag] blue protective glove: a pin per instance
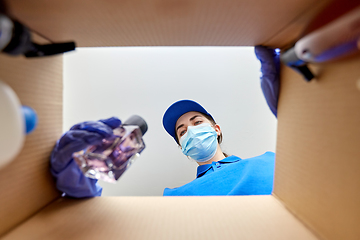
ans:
(69, 178)
(270, 78)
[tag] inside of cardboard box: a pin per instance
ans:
(317, 166)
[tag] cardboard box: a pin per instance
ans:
(317, 181)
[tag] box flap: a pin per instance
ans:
(317, 172)
(25, 184)
(241, 217)
(168, 23)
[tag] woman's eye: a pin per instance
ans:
(182, 133)
(197, 122)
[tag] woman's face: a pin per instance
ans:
(191, 119)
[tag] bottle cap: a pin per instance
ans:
(30, 118)
(138, 121)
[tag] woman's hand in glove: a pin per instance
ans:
(270, 78)
(69, 178)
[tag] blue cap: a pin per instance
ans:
(31, 119)
(176, 110)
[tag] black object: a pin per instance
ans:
(290, 58)
(50, 49)
(3, 7)
(21, 43)
(138, 121)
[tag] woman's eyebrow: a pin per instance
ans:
(194, 117)
(181, 125)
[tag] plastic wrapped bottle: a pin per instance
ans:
(109, 160)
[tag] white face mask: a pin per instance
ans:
(199, 142)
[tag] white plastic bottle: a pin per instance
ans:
(15, 122)
(12, 127)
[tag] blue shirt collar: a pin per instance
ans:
(202, 169)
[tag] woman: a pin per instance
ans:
(199, 137)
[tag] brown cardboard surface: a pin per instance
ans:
(317, 172)
(294, 30)
(94, 23)
(317, 166)
(25, 184)
(242, 217)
